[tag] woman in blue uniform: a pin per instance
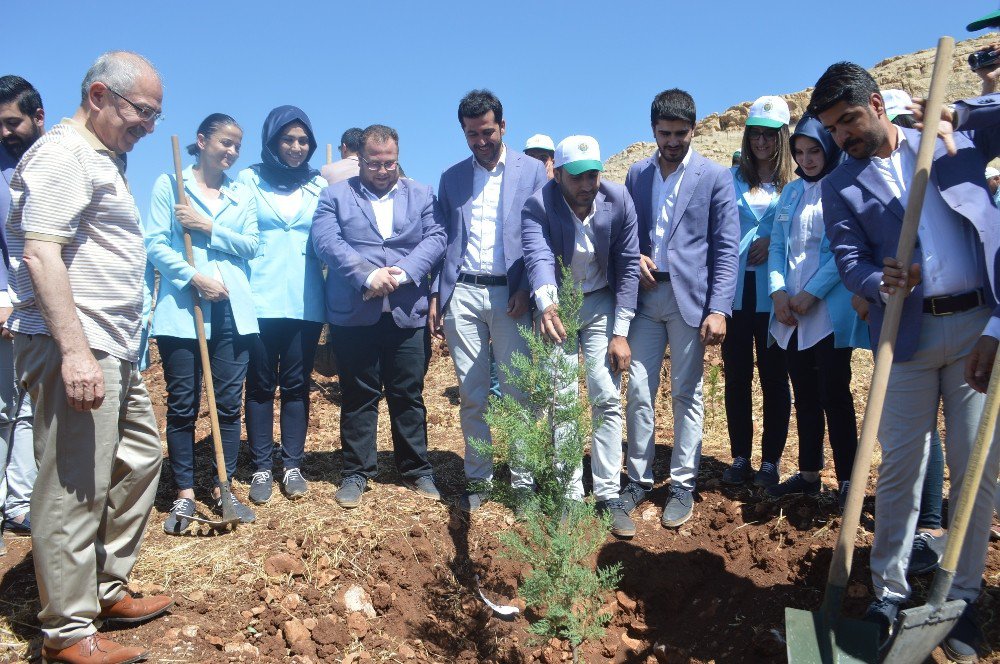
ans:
(286, 278)
(222, 219)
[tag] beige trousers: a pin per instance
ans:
(97, 477)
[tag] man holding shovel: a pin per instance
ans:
(945, 313)
(76, 282)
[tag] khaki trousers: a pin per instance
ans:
(97, 477)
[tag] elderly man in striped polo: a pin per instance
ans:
(77, 263)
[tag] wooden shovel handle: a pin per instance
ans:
(840, 567)
(199, 324)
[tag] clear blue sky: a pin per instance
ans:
(559, 68)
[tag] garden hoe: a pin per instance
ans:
(229, 518)
(824, 636)
(920, 629)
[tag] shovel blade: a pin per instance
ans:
(215, 524)
(920, 629)
(813, 638)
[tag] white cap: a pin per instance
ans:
(540, 142)
(769, 111)
(896, 102)
(577, 154)
(991, 172)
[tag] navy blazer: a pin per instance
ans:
(703, 250)
(548, 230)
(522, 177)
(345, 236)
(864, 220)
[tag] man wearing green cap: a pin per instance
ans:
(591, 226)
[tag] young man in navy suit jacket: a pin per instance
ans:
(689, 246)
(479, 297)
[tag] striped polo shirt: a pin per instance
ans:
(70, 189)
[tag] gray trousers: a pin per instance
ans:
(604, 391)
(475, 317)
(97, 477)
(17, 482)
(658, 323)
(935, 374)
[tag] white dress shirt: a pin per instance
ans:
(586, 272)
(805, 235)
(664, 199)
(382, 205)
(948, 244)
(484, 251)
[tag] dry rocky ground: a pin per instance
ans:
(395, 580)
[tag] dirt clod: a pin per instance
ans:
(358, 624)
(294, 631)
(283, 563)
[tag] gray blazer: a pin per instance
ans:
(522, 177)
(548, 231)
(703, 248)
(346, 237)
(864, 220)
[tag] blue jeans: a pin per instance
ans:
(932, 494)
(494, 376)
(229, 353)
(17, 483)
(281, 356)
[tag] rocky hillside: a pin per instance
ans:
(719, 134)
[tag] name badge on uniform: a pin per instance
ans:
(783, 216)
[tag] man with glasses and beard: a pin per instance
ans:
(380, 236)
(22, 122)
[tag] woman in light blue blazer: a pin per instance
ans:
(765, 168)
(286, 278)
(813, 319)
(221, 217)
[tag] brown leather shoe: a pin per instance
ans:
(94, 649)
(131, 609)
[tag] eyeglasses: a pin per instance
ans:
(145, 112)
(375, 166)
(759, 135)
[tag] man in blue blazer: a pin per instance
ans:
(380, 237)
(944, 316)
(479, 296)
(589, 224)
(689, 245)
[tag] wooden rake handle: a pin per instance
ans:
(199, 323)
(840, 567)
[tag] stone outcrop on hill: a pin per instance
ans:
(718, 135)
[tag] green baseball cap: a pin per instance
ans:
(991, 20)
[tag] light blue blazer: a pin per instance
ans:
(848, 330)
(286, 275)
(751, 228)
(232, 244)
(148, 282)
